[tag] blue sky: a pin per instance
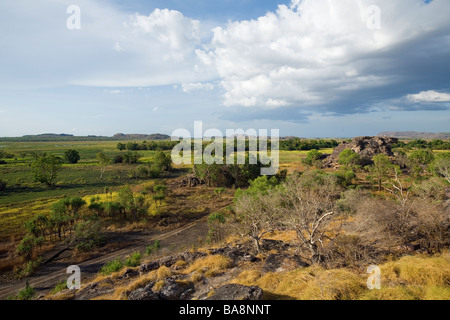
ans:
(311, 68)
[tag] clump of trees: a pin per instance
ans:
(230, 175)
(161, 163)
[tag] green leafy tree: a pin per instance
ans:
(419, 161)
(260, 185)
(125, 198)
(45, 168)
(27, 246)
(381, 168)
(441, 165)
(121, 146)
(349, 158)
(131, 157)
(72, 156)
(163, 161)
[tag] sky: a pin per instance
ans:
(310, 68)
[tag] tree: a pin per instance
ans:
(131, 157)
(257, 215)
(381, 168)
(71, 156)
(349, 158)
(419, 160)
(441, 166)
(45, 168)
(163, 161)
(308, 202)
(125, 198)
(261, 185)
(103, 162)
(27, 246)
(121, 146)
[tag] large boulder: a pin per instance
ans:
(237, 292)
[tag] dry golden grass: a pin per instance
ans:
(209, 266)
(414, 278)
(156, 275)
(163, 272)
(312, 283)
(180, 264)
(121, 292)
(419, 270)
(411, 277)
(159, 285)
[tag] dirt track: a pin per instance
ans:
(49, 275)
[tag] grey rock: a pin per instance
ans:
(144, 293)
(237, 292)
(129, 273)
(175, 290)
(147, 267)
(283, 262)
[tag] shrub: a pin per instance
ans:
(219, 190)
(112, 266)
(153, 247)
(133, 260)
(26, 294)
(60, 286)
(118, 159)
(154, 171)
(71, 156)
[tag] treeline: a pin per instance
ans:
(301, 144)
(435, 144)
(288, 145)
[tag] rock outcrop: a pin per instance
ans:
(366, 147)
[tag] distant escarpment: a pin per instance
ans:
(415, 135)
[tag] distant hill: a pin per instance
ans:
(70, 137)
(415, 135)
(154, 136)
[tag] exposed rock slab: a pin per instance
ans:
(237, 292)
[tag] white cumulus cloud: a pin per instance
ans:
(429, 96)
(316, 52)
